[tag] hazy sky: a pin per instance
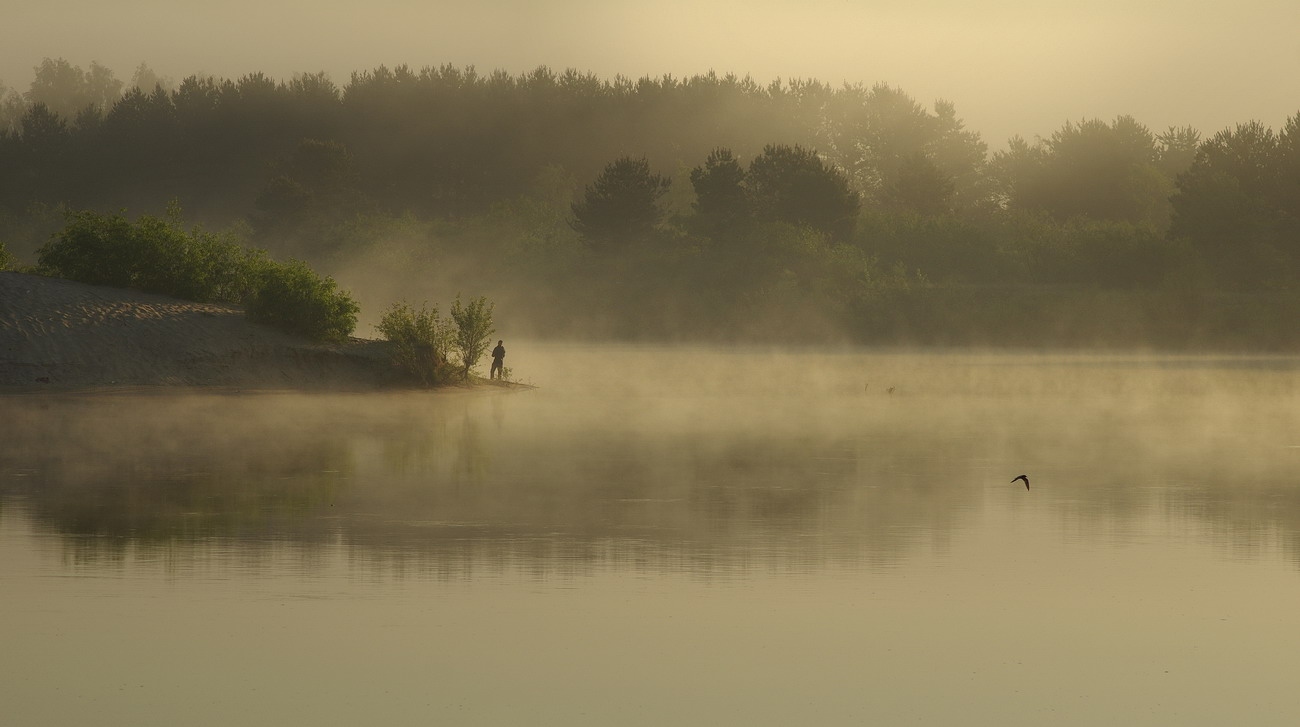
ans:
(1010, 66)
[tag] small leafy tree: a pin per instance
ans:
(421, 341)
(473, 329)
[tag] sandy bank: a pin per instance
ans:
(59, 333)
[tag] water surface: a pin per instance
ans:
(666, 536)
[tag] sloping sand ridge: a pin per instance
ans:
(60, 333)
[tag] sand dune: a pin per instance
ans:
(59, 333)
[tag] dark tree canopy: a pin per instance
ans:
(720, 200)
(920, 186)
(623, 206)
(1090, 169)
(43, 131)
(792, 184)
(1239, 203)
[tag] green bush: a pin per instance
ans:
(421, 341)
(158, 255)
(7, 261)
(293, 298)
(92, 248)
(154, 255)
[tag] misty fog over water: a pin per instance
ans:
(865, 265)
(666, 535)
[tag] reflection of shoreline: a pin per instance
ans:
(448, 557)
(437, 551)
(463, 524)
(384, 551)
(728, 483)
(448, 486)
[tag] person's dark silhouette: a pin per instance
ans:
(498, 361)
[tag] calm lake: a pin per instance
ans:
(666, 536)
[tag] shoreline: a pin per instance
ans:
(62, 336)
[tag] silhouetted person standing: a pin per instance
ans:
(498, 361)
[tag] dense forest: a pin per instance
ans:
(665, 208)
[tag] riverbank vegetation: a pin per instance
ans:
(158, 255)
(434, 349)
(704, 207)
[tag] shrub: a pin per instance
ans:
(473, 327)
(157, 255)
(230, 271)
(421, 341)
(293, 298)
(92, 248)
(154, 255)
(7, 260)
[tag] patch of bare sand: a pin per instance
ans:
(60, 333)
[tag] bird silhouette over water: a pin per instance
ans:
(1023, 477)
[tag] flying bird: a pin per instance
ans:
(1023, 477)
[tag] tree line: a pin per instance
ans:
(665, 206)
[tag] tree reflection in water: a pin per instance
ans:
(449, 484)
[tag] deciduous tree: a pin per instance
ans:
(473, 329)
